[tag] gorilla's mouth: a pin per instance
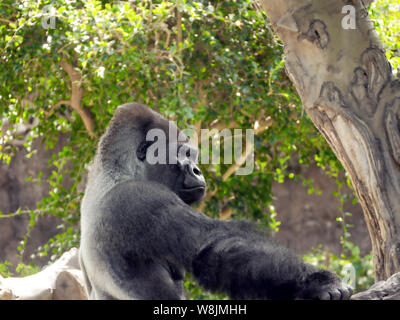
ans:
(193, 194)
(194, 189)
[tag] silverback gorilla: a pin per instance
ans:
(140, 235)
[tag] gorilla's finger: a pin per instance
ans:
(324, 296)
(347, 292)
(335, 294)
(343, 293)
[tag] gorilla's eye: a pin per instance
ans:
(187, 151)
(142, 149)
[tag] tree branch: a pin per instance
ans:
(179, 36)
(77, 96)
(259, 127)
(56, 105)
(239, 162)
(225, 213)
(367, 2)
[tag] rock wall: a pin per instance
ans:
(16, 192)
(308, 220)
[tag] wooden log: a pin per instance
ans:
(60, 280)
(382, 290)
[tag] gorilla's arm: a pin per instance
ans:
(250, 266)
(235, 258)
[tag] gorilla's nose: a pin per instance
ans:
(194, 170)
(193, 177)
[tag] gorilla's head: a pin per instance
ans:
(137, 145)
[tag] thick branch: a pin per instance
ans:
(239, 162)
(77, 96)
(382, 290)
(56, 105)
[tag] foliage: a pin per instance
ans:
(198, 293)
(5, 269)
(349, 265)
(386, 16)
(343, 264)
(22, 269)
(220, 64)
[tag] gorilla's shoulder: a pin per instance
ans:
(140, 195)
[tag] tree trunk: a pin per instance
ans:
(348, 90)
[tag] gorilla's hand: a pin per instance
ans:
(325, 285)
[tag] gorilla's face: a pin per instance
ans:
(139, 143)
(180, 172)
(192, 184)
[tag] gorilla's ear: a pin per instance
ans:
(142, 149)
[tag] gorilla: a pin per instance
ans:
(139, 233)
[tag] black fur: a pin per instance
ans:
(140, 235)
